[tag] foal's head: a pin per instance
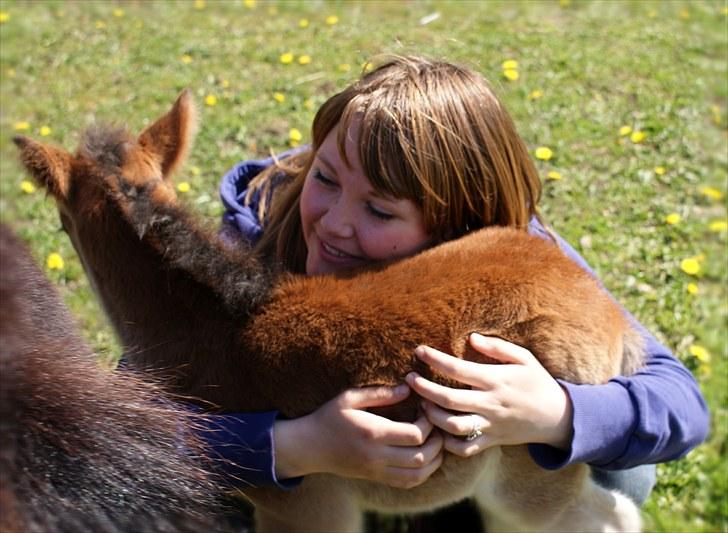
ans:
(78, 181)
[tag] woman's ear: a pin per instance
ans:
(170, 137)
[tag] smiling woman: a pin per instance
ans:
(346, 222)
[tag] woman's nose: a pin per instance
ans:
(337, 220)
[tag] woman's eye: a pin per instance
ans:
(318, 176)
(379, 214)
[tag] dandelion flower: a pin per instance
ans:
(625, 130)
(718, 226)
(272, 10)
(685, 14)
(652, 13)
(295, 134)
(10, 72)
(199, 4)
(195, 171)
(710, 192)
(4, 17)
(225, 84)
(303, 23)
(279, 97)
(544, 153)
(45, 131)
(21, 126)
(304, 59)
(700, 353)
(553, 175)
(183, 186)
(118, 13)
(186, 59)
(692, 288)
(286, 58)
(690, 266)
(367, 66)
(535, 95)
(673, 218)
(308, 104)
(27, 187)
(510, 64)
(660, 171)
(250, 4)
(100, 24)
(344, 67)
(55, 261)
(332, 19)
(211, 100)
(637, 136)
(510, 74)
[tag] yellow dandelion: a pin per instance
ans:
(279, 97)
(224, 84)
(186, 59)
(673, 218)
(45, 131)
(304, 59)
(286, 58)
(637, 136)
(510, 74)
(308, 104)
(553, 175)
(100, 24)
(4, 17)
(199, 4)
(690, 266)
(332, 19)
(344, 67)
(367, 66)
(21, 126)
(544, 153)
(183, 186)
(535, 95)
(700, 353)
(564, 3)
(625, 130)
(272, 10)
(211, 100)
(250, 4)
(652, 13)
(718, 226)
(27, 187)
(660, 171)
(118, 13)
(510, 64)
(711, 192)
(195, 171)
(725, 10)
(684, 14)
(55, 261)
(295, 135)
(692, 288)
(10, 72)
(303, 23)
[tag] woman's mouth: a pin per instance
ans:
(336, 253)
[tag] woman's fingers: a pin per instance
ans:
(416, 456)
(502, 350)
(366, 397)
(406, 478)
(453, 423)
(467, 448)
(466, 372)
(455, 399)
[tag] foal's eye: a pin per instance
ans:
(319, 176)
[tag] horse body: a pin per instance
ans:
(223, 328)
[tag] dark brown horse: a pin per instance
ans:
(230, 332)
(82, 448)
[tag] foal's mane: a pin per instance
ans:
(106, 144)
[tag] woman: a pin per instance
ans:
(415, 153)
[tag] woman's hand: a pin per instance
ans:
(516, 402)
(342, 438)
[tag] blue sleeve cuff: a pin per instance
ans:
(241, 447)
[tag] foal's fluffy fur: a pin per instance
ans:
(231, 332)
(83, 449)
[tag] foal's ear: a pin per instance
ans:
(170, 137)
(50, 166)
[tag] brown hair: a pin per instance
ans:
(431, 132)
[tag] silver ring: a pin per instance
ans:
(476, 432)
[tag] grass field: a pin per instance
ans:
(630, 97)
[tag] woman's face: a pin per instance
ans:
(346, 223)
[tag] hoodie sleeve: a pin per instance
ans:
(655, 415)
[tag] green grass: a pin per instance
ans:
(656, 67)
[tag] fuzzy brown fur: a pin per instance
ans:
(234, 334)
(83, 449)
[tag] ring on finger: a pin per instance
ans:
(476, 430)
